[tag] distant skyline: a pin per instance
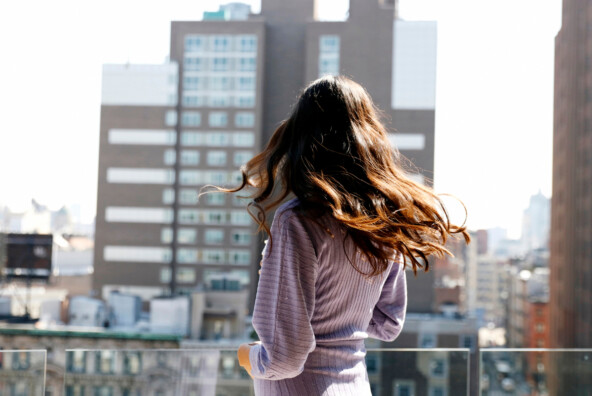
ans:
(493, 111)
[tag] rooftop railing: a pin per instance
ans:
(212, 371)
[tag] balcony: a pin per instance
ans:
(215, 371)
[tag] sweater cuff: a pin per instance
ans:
(254, 354)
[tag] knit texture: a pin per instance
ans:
(313, 310)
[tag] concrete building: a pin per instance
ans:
(571, 205)
(168, 130)
(101, 361)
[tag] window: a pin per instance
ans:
(189, 216)
(215, 217)
(241, 237)
(188, 196)
(245, 83)
(189, 157)
(247, 64)
(219, 83)
(190, 177)
(194, 64)
(242, 157)
(328, 66)
(170, 118)
(19, 389)
(140, 175)
(427, 341)
(467, 341)
(187, 256)
(155, 137)
(193, 83)
(165, 275)
(186, 236)
(195, 43)
(74, 390)
(220, 64)
(218, 119)
(137, 254)
(438, 367)
(245, 100)
(240, 217)
(214, 236)
(128, 214)
(169, 157)
(540, 327)
(166, 235)
(168, 196)
(244, 119)
(192, 138)
(372, 363)
(213, 256)
(76, 361)
(216, 178)
(243, 139)
(437, 391)
(247, 43)
(404, 388)
(103, 391)
(216, 158)
(218, 139)
(132, 363)
(329, 44)
(191, 118)
(193, 100)
(239, 257)
(220, 43)
(105, 362)
(214, 198)
(219, 100)
(185, 275)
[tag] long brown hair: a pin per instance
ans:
(333, 153)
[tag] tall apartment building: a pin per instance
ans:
(571, 205)
(168, 130)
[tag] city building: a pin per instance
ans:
(168, 130)
(536, 221)
(571, 204)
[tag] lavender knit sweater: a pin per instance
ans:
(313, 310)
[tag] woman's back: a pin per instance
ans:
(314, 309)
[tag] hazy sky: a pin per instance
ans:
(493, 113)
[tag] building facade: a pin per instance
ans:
(571, 205)
(169, 130)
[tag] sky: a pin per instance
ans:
(494, 100)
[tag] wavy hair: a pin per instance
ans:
(333, 153)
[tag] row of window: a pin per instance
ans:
(218, 139)
(155, 254)
(217, 99)
(213, 157)
(188, 196)
(168, 138)
(212, 236)
(200, 63)
(127, 214)
(167, 176)
(215, 119)
(218, 83)
(221, 43)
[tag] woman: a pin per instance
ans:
(333, 271)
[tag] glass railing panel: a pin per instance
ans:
(539, 372)
(418, 372)
(216, 372)
(22, 372)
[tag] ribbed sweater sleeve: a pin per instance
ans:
(389, 313)
(285, 301)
